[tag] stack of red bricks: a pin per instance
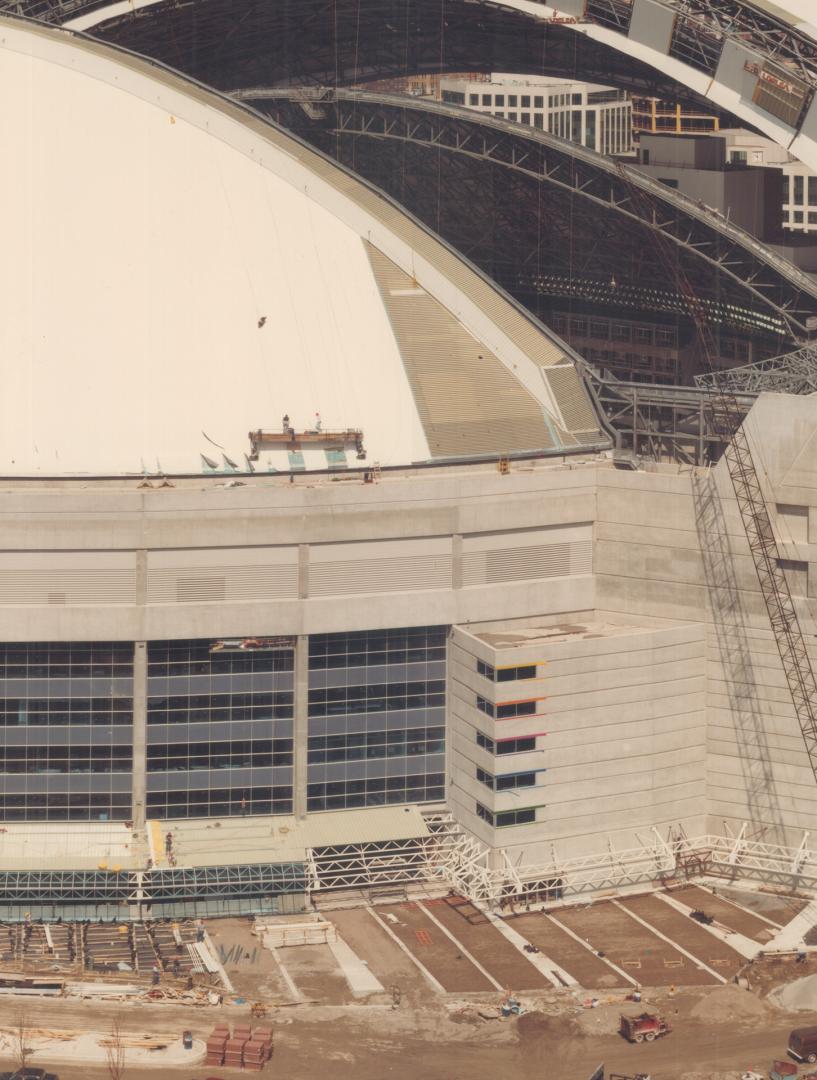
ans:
(247, 1049)
(216, 1045)
(258, 1050)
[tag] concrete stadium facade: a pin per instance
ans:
(660, 698)
(219, 687)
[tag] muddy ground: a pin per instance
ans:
(716, 1030)
(719, 1030)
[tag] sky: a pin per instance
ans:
(804, 9)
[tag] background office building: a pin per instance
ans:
(598, 117)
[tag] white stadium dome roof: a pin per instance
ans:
(177, 273)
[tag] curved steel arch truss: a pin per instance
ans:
(546, 217)
(239, 43)
(699, 30)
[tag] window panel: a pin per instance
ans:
(486, 670)
(516, 746)
(516, 708)
(516, 817)
(485, 706)
(485, 742)
(513, 674)
(485, 778)
(511, 781)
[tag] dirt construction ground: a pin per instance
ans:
(443, 965)
(717, 1031)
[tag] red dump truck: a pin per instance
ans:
(644, 1028)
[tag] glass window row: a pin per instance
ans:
(58, 659)
(515, 101)
(343, 795)
(55, 712)
(220, 802)
(521, 745)
(412, 645)
(216, 657)
(507, 710)
(506, 674)
(195, 708)
(59, 806)
(375, 659)
(240, 754)
(75, 670)
(508, 782)
(65, 759)
(371, 738)
(378, 697)
(369, 752)
(507, 817)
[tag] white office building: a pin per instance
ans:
(598, 117)
(799, 210)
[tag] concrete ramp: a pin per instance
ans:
(794, 933)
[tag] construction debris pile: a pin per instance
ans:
(165, 960)
(73, 948)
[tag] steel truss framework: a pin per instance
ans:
(794, 373)
(231, 44)
(678, 423)
(447, 857)
(558, 220)
(389, 862)
(702, 26)
(151, 886)
(419, 34)
(662, 423)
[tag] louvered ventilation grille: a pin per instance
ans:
(203, 588)
(380, 575)
(218, 584)
(527, 563)
(67, 586)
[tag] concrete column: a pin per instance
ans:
(303, 571)
(456, 561)
(140, 723)
(300, 726)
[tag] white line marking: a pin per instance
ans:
(555, 975)
(423, 970)
(463, 950)
(294, 992)
(586, 945)
(678, 948)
